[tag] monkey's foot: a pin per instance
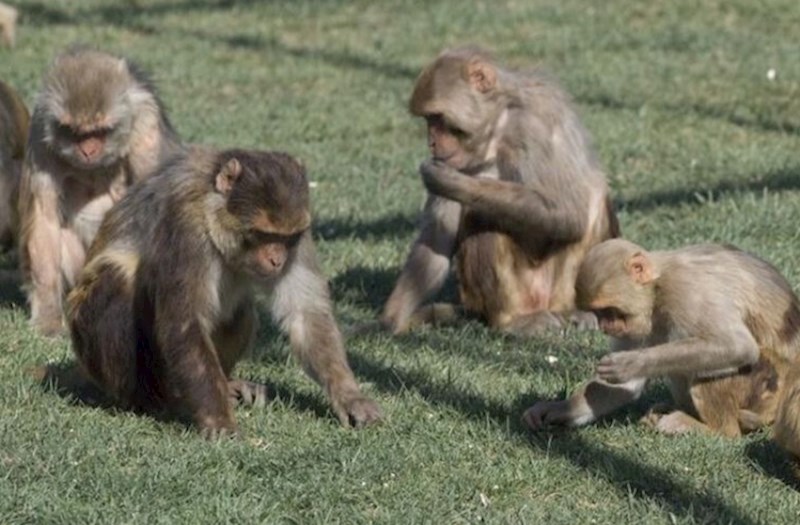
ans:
(673, 424)
(358, 412)
(534, 324)
(582, 320)
(247, 393)
(218, 434)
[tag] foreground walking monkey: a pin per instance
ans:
(14, 122)
(720, 324)
(515, 193)
(164, 307)
(97, 127)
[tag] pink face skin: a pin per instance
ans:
(445, 144)
(612, 322)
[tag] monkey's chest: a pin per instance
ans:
(87, 202)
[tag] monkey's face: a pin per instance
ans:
(96, 144)
(622, 311)
(265, 256)
(447, 142)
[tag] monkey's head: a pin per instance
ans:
(460, 97)
(90, 101)
(616, 281)
(267, 204)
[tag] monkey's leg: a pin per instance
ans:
(674, 423)
(532, 324)
(41, 258)
(231, 341)
(104, 337)
(717, 405)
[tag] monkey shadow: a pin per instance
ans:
(11, 294)
(390, 226)
(768, 458)
(777, 180)
(646, 482)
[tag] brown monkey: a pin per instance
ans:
(14, 122)
(720, 324)
(164, 307)
(515, 192)
(8, 25)
(787, 421)
(97, 127)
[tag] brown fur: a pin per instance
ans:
(164, 308)
(79, 163)
(516, 195)
(719, 323)
(14, 123)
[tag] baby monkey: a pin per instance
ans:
(720, 324)
(164, 307)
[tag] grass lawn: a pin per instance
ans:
(698, 143)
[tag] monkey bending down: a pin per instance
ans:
(720, 324)
(14, 122)
(97, 128)
(164, 308)
(515, 194)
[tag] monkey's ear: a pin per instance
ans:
(227, 176)
(640, 268)
(481, 76)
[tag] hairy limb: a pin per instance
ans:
(302, 305)
(693, 355)
(515, 207)
(427, 265)
(41, 250)
(592, 401)
(674, 423)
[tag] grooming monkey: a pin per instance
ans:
(14, 122)
(720, 324)
(164, 308)
(514, 192)
(8, 25)
(97, 128)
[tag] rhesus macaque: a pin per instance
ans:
(97, 127)
(787, 421)
(164, 307)
(514, 192)
(720, 324)
(8, 25)
(14, 122)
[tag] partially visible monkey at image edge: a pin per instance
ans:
(164, 307)
(720, 324)
(97, 128)
(515, 193)
(14, 122)
(8, 25)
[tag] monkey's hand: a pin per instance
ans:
(358, 411)
(620, 367)
(247, 393)
(546, 413)
(439, 178)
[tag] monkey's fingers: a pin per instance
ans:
(218, 434)
(248, 393)
(359, 412)
(546, 413)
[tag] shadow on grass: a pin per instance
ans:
(780, 180)
(628, 475)
(390, 226)
(768, 457)
(11, 294)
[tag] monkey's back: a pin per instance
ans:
(725, 276)
(14, 121)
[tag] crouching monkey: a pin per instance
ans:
(164, 307)
(720, 324)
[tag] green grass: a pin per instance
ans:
(699, 146)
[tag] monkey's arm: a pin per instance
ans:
(428, 264)
(302, 306)
(592, 401)
(514, 206)
(690, 356)
(40, 246)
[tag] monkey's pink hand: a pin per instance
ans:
(358, 412)
(439, 178)
(620, 367)
(545, 413)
